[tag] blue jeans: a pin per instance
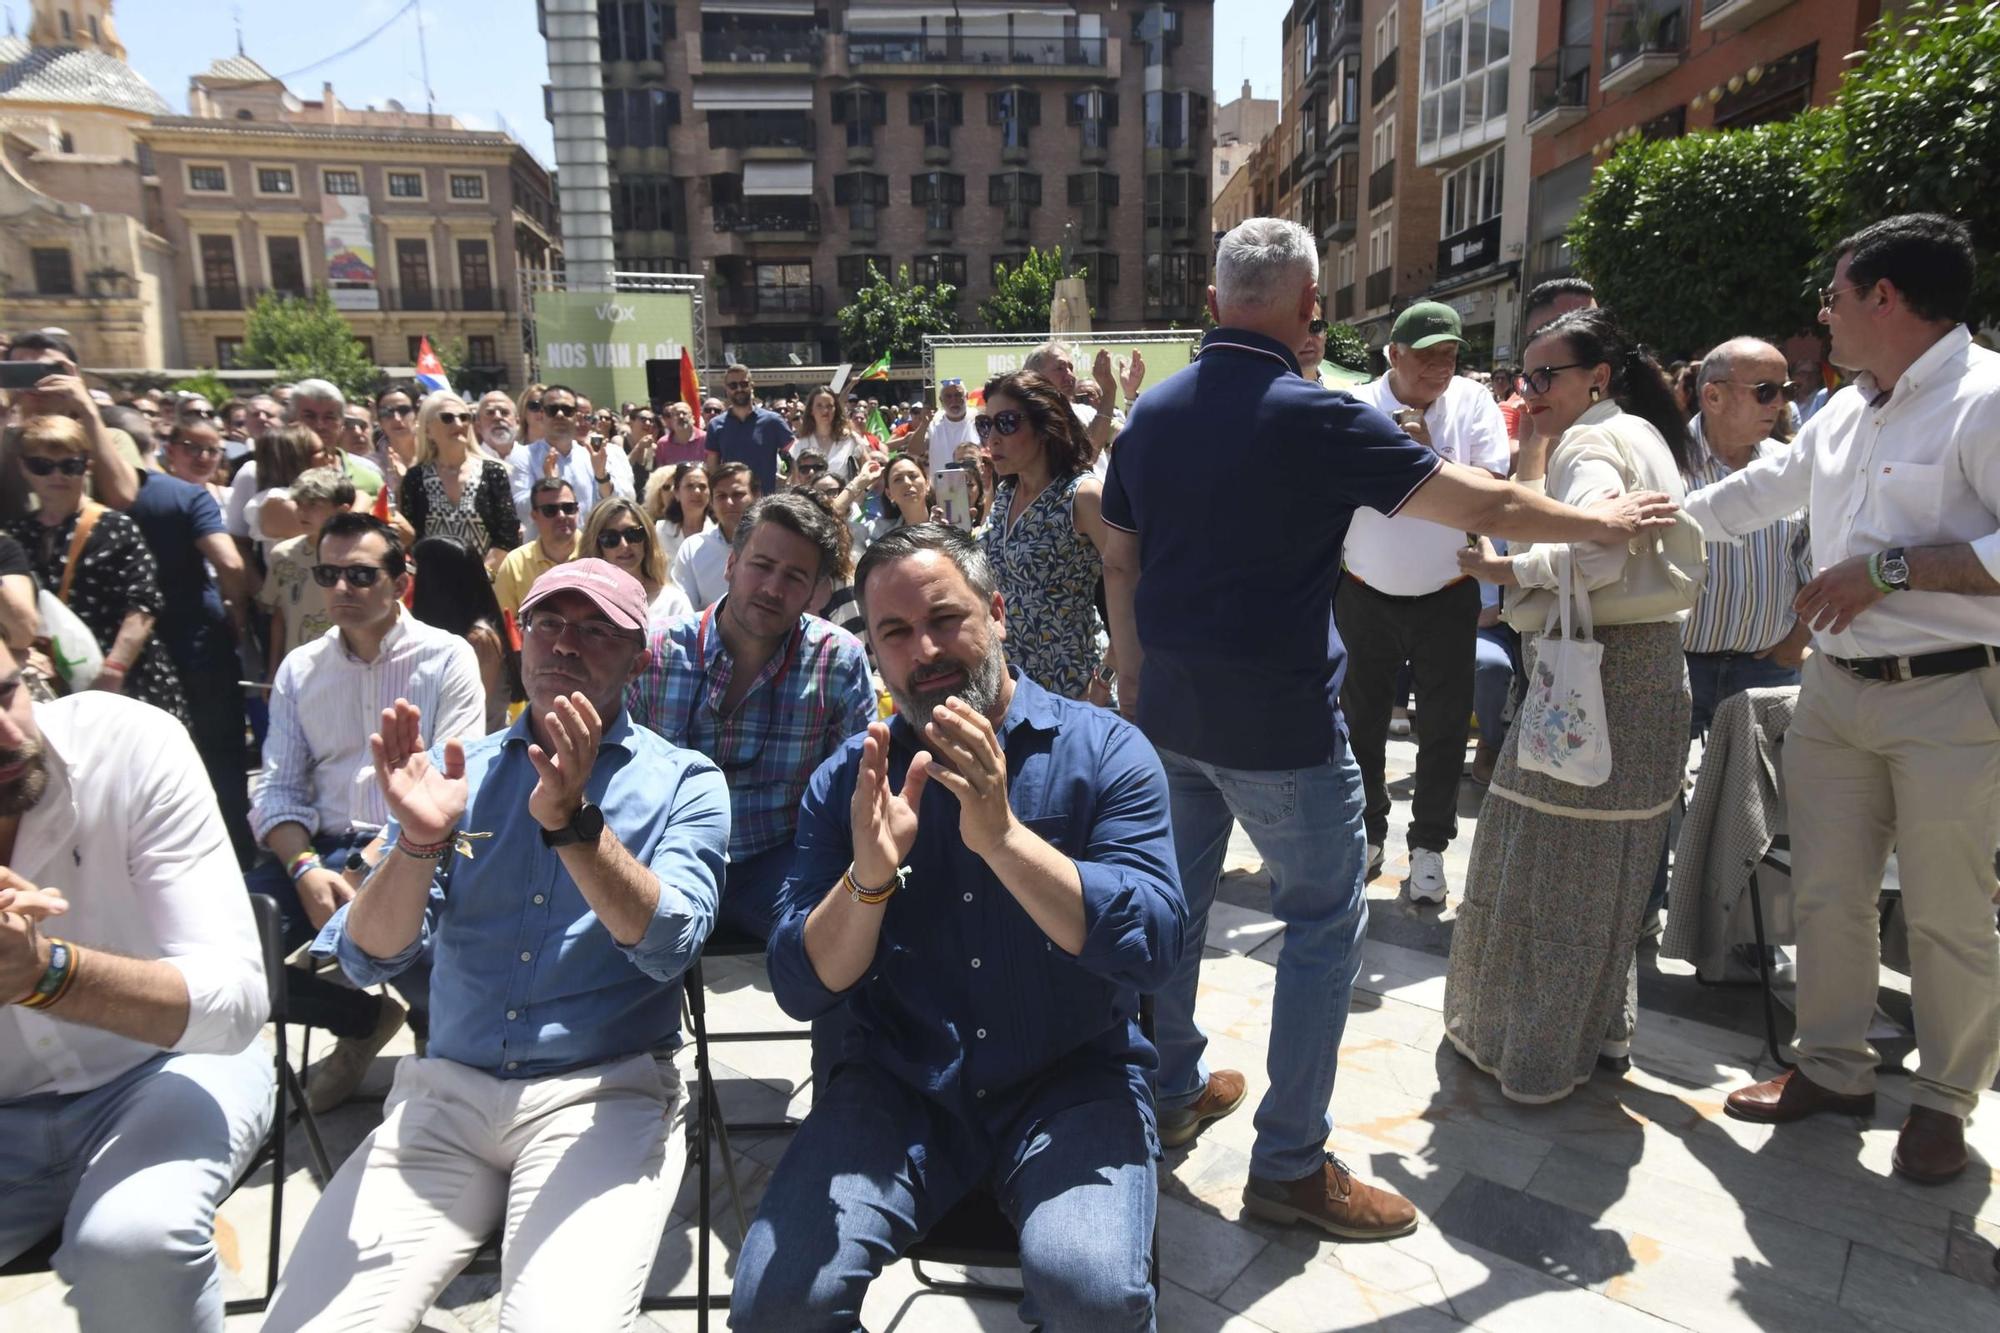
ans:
(1306, 824)
(133, 1172)
(1496, 658)
(876, 1165)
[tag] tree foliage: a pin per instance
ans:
(305, 337)
(893, 317)
(1023, 294)
(1346, 347)
(1916, 129)
(206, 383)
(451, 354)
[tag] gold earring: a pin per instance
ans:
(1593, 393)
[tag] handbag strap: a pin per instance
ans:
(86, 520)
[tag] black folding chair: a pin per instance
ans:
(724, 942)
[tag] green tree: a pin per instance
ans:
(1346, 347)
(1915, 129)
(893, 317)
(1022, 294)
(451, 354)
(302, 337)
(1701, 238)
(206, 383)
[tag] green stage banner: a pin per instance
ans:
(976, 362)
(598, 343)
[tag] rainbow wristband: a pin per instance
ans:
(304, 861)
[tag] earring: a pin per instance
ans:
(1594, 395)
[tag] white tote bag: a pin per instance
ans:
(72, 647)
(1562, 725)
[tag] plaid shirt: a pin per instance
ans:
(810, 697)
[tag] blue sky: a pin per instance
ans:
(487, 62)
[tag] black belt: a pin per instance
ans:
(1949, 662)
(1397, 597)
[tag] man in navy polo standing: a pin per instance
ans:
(747, 433)
(1230, 663)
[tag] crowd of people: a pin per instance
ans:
(543, 697)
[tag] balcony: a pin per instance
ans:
(1094, 140)
(762, 133)
(1343, 303)
(1015, 222)
(772, 219)
(1476, 247)
(1729, 15)
(1559, 90)
(940, 223)
(791, 50)
(1341, 220)
(940, 53)
(1382, 185)
(218, 296)
(1381, 286)
(1383, 81)
(1642, 42)
(808, 300)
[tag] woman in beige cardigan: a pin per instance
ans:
(1543, 986)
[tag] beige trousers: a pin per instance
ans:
(576, 1172)
(1914, 765)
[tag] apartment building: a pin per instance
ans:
(782, 147)
(1239, 127)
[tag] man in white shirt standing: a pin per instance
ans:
(133, 1089)
(1405, 600)
(947, 429)
(594, 467)
(319, 803)
(1896, 741)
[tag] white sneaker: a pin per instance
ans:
(1426, 875)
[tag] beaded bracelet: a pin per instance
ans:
(425, 851)
(55, 982)
(873, 896)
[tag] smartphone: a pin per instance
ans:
(953, 494)
(16, 375)
(930, 398)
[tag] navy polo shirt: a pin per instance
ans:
(172, 515)
(1239, 478)
(755, 439)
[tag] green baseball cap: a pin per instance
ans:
(1426, 324)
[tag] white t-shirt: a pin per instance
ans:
(241, 488)
(946, 436)
(1408, 557)
(670, 603)
(701, 568)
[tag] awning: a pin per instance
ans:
(752, 95)
(766, 178)
(804, 7)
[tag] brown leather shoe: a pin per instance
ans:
(1792, 1096)
(1334, 1201)
(1931, 1149)
(1223, 1094)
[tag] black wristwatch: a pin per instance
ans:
(585, 826)
(1895, 569)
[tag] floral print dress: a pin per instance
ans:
(1049, 574)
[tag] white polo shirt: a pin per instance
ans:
(946, 436)
(1409, 557)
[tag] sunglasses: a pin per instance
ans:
(1827, 295)
(560, 409)
(455, 418)
(402, 411)
(1766, 392)
(357, 576)
(533, 405)
(1317, 327)
(596, 635)
(1539, 379)
(734, 385)
(205, 413)
(564, 509)
(647, 417)
(1006, 423)
(201, 450)
(48, 467)
(612, 538)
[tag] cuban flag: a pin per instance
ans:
(430, 370)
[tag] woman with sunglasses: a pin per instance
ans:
(194, 454)
(534, 421)
(1044, 533)
(396, 427)
(1543, 956)
(451, 590)
(619, 532)
(454, 489)
(677, 500)
(109, 579)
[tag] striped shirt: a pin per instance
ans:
(326, 701)
(812, 695)
(1746, 605)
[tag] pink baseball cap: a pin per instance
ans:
(610, 589)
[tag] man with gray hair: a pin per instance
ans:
(1230, 662)
(1055, 361)
(321, 407)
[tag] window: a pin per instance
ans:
(647, 203)
(1176, 281)
(852, 270)
(937, 193)
(1381, 249)
(1015, 111)
(340, 182)
(860, 110)
(285, 264)
(413, 272)
(367, 348)
(481, 351)
(639, 117)
(1385, 33)
(930, 270)
(1382, 147)
(785, 289)
(1095, 113)
(208, 179)
(1158, 29)
(68, 32)
(1099, 271)
(227, 350)
(221, 286)
(406, 185)
(276, 180)
(1472, 193)
(1173, 198)
(465, 185)
(55, 273)
(633, 29)
(147, 166)
(415, 344)
(937, 110)
(67, 143)
(1014, 187)
(475, 274)
(1344, 267)
(1176, 119)
(861, 193)
(1464, 80)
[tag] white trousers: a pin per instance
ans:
(575, 1171)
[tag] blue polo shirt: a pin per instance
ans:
(755, 439)
(172, 515)
(1236, 580)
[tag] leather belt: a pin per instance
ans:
(1949, 662)
(1400, 597)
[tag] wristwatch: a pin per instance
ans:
(1895, 569)
(584, 826)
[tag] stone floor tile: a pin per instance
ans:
(1290, 1292)
(1182, 1311)
(1201, 1251)
(1716, 1296)
(1972, 1250)
(1887, 1292)
(1241, 930)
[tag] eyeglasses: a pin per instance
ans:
(48, 467)
(454, 418)
(1767, 392)
(1316, 328)
(355, 423)
(1538, 380)
(357, 576)
(205, 413)
(596, 635)
(612, 538)
(1827, 295)
(647, 417)
(561, 509)
(201, 450)
(560, 409)
(1006, 423)
(402, 410)
(735, 384)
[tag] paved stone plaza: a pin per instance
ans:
(1634, 1205)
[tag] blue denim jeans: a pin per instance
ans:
(1306, 824)
(1496, 660)
(133, 1172)
(876, 1165)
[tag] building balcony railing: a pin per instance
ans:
(776, 46)
(1729, 15)
(218, 296)
(1382, 185)
(1343, 303)
(875, 48)
(1642, 41)
(426, 299)
(1477, 247)
(1383, 81)
(1558, 89)
(808, 300)
(225, 297)
(1340, 217)
(1381, 286)
(786, 216)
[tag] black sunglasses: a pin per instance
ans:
(1766, 391)
(402, 410)
(1317, 327)
(357, 576)
(205, 413)
(1006, 422)
(563, 509)
(560, 409)
(454, 418)
(1539, 379)
(533, 405)
(612, 538)
(48, 467)
(812, 469)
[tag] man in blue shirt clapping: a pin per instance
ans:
(987, 881)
